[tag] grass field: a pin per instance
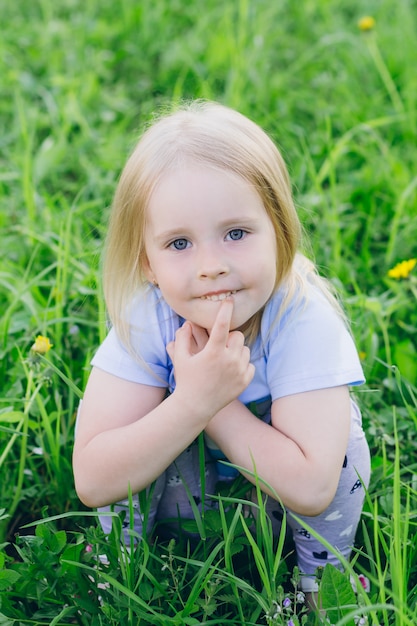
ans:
(78, 81)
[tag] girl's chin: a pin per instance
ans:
(208, 323)
(205, 316)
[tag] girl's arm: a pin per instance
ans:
(127, 434)
(301, 455)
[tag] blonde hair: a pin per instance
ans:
(210, 134)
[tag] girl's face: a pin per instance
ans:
(209, 237)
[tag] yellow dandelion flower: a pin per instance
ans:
(42, 345)
(403, 269)
(362, 355)
(366, 23)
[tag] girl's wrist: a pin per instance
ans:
(221, 420)
(192, 407)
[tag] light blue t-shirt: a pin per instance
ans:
(308, 348)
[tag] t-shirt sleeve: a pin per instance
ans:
(114, 358)
(147, 362)
(309, 349)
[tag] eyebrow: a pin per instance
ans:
(238, 222)
(168, 235)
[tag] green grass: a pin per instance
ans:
(78, 82)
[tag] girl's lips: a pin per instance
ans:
(217, 297)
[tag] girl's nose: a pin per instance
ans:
(211, 264)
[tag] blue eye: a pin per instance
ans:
(179, 244)
(236, 234)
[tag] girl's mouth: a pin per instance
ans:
(217, 297)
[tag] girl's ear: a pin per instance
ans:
(147, 270)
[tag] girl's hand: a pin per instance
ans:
(199, 338)
(211, 371)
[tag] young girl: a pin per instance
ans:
(215, 310)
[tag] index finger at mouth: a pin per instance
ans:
(221, 328)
